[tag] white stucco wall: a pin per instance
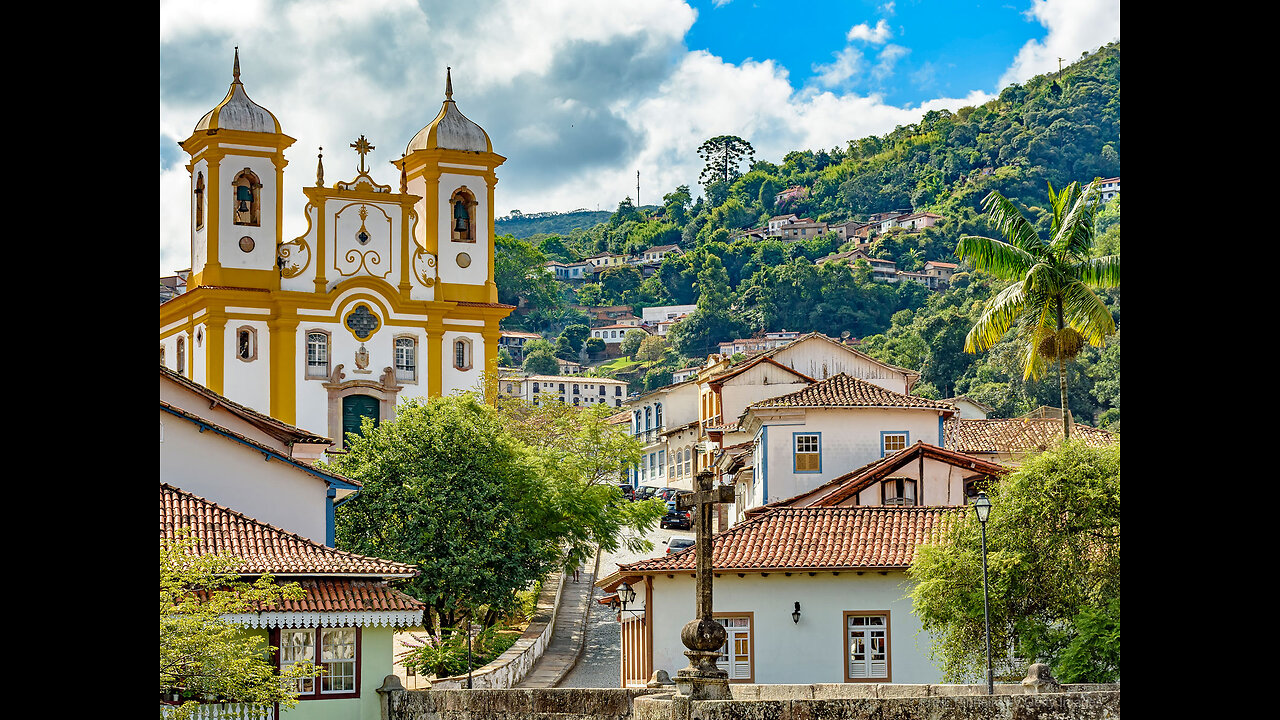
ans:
(249, 380)
(478, 271)
(820, 359)
(455, 380)
(236, 476)
(263, 255)
(811, 651)
(199, 237)
(850, 438)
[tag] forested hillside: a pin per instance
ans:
(1056, 128)
(522, 226)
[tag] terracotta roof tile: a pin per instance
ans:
(264, 548)
(816, 539)
(347, 595)
(277, 429)
(844, 390)
(1017, 435)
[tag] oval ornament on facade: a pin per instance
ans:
(246, 243)
(362, 322)
(464, 260)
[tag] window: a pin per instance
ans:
(318, 354)
(199, 200)
(898, 491)
(462, 354)
(892, 442)
(736, 657)
(561, 388)
(867, 647)
(808, 452)
(535, 388)
(338, 650)
(407, 360)
(688, 455)
(182, 356)
(161, 354)
(575, 389)
(244, 198)
(657, 412)
(246, 343)
(601, 389)
(617, 389)
(462, 211)
(662, 462)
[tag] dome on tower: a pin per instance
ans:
(237, 111)
(451, 130)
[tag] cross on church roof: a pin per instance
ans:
(362, 147)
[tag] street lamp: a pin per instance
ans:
(982, 506)
(795, 614)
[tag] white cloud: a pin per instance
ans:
(888, 58)
(1074, 27)
(887, 8)
(876, 36)
(847, 63)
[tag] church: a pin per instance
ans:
(389, 294)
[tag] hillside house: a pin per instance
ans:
(656, 254)
(1108, 189)
(802, 229)
(568, 389)
(513, 341)
(795, 192)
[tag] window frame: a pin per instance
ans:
(751, 645)
(395, 358)
(253, 343)
(318, 692)
(888, 644)
(328, 354)
(464, 195)
(468, 352)
(796, 453)
(180, 355)
(886, 434)
(255, 204)
(900, 488)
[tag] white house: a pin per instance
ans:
(1108, 189)
(568, 389)
(806, 595)
(660, 313)
(805, 438)
(969, 408)
(234, 456)
(656, 254)
(653, 414)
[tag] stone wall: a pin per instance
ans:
(852, 701)
(511, 666)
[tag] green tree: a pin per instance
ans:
(541, 362)
(1049, 300)
(1053, 557)
(651, 348)
(631, 341)
(594, 346)
(575, 335)
(203, 654)
(722, 155)
(504, 358)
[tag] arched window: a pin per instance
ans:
(648, 418)
(462, 354)
(182, 356)
(199, 200)
(407, 360)
(246, 343)
(657, 421)
(161, 354)
(318, 354)
(462, 216)
(245, 191)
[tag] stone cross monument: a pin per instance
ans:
(702, 680)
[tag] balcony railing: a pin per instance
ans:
(225, 711)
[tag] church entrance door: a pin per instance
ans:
(355, 407)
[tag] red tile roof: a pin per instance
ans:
(815, 539)
(264, 548)
(1017, 435)
(844, 390)
(347, 595)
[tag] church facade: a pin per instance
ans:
(388, 295)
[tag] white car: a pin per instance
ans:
(676, 544)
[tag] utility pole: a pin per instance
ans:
(1059, 66)
(637, 188)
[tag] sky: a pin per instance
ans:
(580, 94)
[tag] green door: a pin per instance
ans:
(355, 407)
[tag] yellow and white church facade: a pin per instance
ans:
(388, 295)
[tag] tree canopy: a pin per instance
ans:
(1053, 557)
(723, 154)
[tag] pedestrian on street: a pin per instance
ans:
(576, 570)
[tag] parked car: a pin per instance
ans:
(676, 544)
(676, 519)
(628, 492)
(644, 492)
(665, 493)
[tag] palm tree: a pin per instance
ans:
(1050, 300)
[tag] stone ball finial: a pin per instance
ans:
(1040, 679)
(703, 634)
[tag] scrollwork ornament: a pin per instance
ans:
(423, 267)
(290, 253)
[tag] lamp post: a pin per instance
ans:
(982, 506)
(469, 687)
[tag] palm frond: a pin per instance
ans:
(1044, 279)
(1086, 313)
(1074, 230)
(1008, 219)
(1001, 313)
(1003, 260)
(1103, 272)
(1034, 365)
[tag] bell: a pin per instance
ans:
(244, 206)
(461, 221)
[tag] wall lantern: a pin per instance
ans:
(795, 614)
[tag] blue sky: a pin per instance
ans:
(580, 94)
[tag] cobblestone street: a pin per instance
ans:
(600, 664)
